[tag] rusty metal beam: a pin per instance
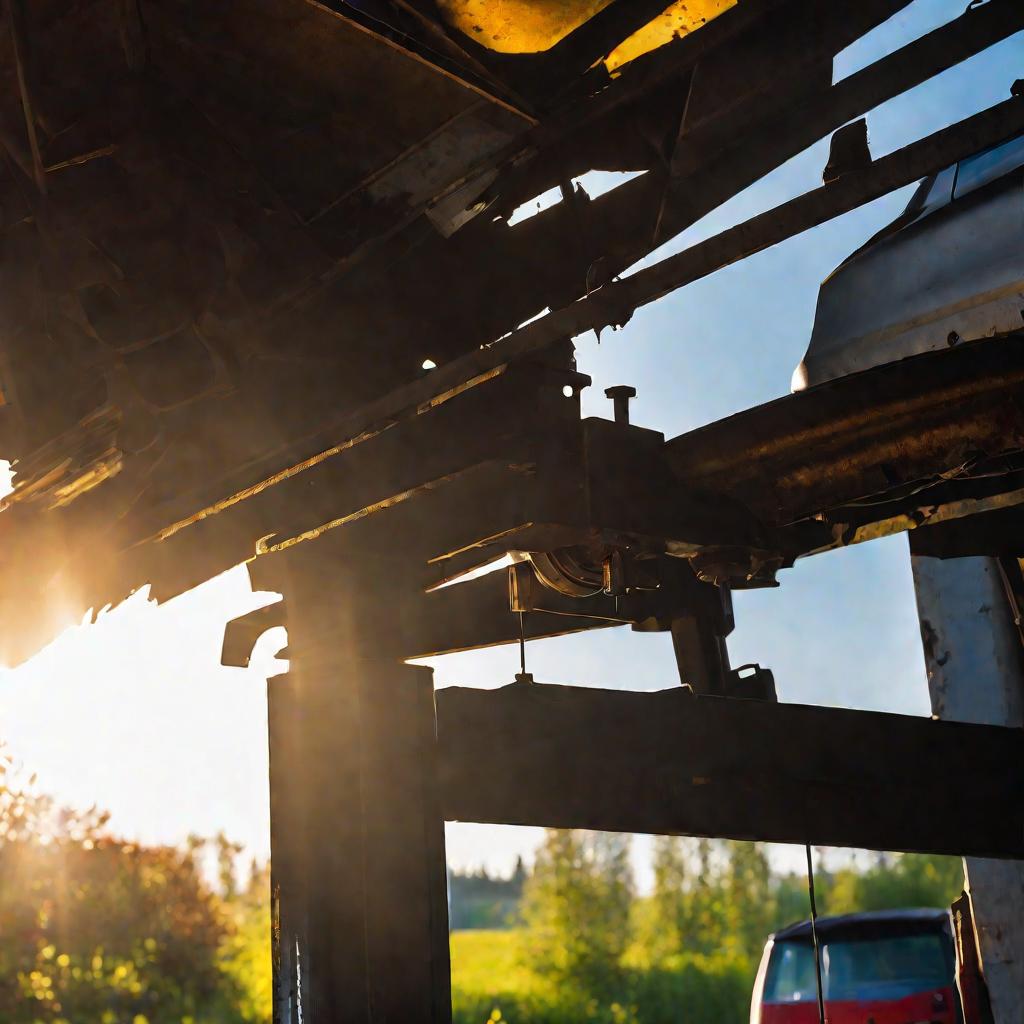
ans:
(864, 434)
(669, 762)
(768, 56)
(615, 302)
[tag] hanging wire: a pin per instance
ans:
(814, 934)
(522, 643)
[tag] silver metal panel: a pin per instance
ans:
(954, 276)
(973, 656)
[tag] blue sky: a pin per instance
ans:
(842, 629)
(134, 713)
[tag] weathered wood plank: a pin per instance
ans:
(669, 762)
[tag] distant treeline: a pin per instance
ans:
(477, 899)
(587, 948)
(96, 928)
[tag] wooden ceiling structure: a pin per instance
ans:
(226, 227)
(233, 238)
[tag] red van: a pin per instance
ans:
(885, 967)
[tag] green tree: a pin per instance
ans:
(709, 897)
(244, 954)
(791, 903)
(576, 908)
(667, 921)
(749, 898)
(897, 880)
(706, 925)
(227, 854)
(94, 928)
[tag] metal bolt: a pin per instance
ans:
(614, 573)
(620, 396)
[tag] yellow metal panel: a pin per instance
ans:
(530, 26)
(682, 18)
(518, 26)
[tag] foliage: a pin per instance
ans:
(576, 908)
(490, 982)
(244, 954)
(591, 951)
(94, 928)
(890, 881)
(710, 897)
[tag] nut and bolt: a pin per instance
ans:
(620, 396)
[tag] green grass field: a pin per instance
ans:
(487, 976)
(490, 983)
(478, 957)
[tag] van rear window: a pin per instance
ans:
(993, 163)
(790, 974)
(858, 969)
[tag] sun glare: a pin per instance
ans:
(131, 710)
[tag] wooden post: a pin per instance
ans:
(360, 896)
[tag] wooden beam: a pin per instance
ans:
(650, 72)
(972, 32)
(475, 614)
(600, 34)
(462, 617)
(439, 37)
(735, 148)
(406, 916)
(615, 302)
(673, 763)
(21, 45)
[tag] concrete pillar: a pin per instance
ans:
(973, 656)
